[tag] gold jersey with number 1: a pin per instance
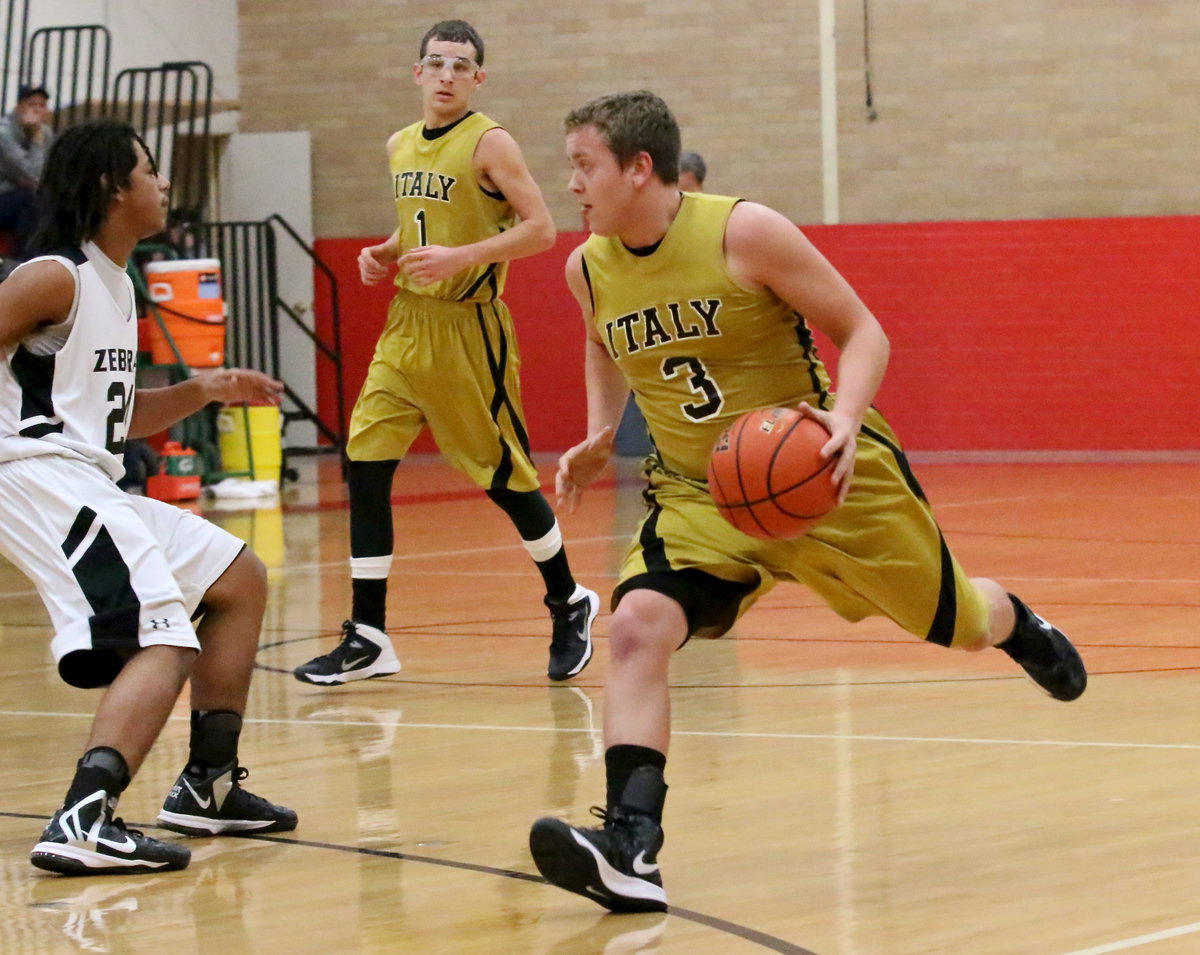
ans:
(447, 358)
(440, 202)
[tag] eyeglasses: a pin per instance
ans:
(460, 66)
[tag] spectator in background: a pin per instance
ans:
(692, 172)
(24, 141)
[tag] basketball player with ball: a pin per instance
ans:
(702, 305)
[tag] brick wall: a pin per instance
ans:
(986, 110)
(1077, 332)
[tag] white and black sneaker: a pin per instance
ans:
(85, 839)
(215, 804)
(571, 637)
(364, 652)
(614, 865)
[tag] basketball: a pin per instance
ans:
(767, 477)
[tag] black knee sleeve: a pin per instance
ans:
(370, 486)
(529, 511)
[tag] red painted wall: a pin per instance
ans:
(1078, 334)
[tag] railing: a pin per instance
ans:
(248, 255)
(72, 62)
(330, 352)
(15, 22)
(170, 105)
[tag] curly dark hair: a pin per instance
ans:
(84, 170)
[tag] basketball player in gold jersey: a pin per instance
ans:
(447, 358)
(702, 305)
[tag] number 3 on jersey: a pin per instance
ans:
(701, 385)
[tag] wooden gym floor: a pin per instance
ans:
(838, 789)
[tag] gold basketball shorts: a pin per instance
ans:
(453, 367)
(879, 553)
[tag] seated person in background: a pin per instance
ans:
(24, 141)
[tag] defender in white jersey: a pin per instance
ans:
(122, 577)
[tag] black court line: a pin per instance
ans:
(768, 942)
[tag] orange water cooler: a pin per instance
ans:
(188, 295)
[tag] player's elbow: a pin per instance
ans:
(544, 233)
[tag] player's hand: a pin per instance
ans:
(234, 385)
(580, 466)
(427, 264)
(842, 443)
(373, 263)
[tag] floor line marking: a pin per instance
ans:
(707, 734)
(1139, 940)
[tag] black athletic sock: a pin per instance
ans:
(368, 601)
(214, 740)
(371, 534)
(622, 764)
(1024, 641)
(556, 575)
(101, 767)
(533, 518)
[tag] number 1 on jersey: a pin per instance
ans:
(422, 237)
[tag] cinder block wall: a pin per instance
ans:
(985, 110)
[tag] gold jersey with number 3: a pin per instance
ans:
(440, 202)
(699, 350)
(696, 363)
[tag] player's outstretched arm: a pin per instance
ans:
(157, 408)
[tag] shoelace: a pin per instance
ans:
(610, 817)
(120, 824)
(257, 801)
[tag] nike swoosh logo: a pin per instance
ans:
(204, 803)
(351, 664)
(641, 867)
(127, 846)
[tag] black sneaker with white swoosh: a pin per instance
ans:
(215, 804)
(365, 652)
(84, 839)
(614, 865)
(1045, 654)
(571, 637)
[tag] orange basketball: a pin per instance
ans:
(767, 476)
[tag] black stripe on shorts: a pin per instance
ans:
(103, 576)
(497, 363)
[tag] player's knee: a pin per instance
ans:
(646, 625)
(972, 641)
(243, 585)
(625, 635)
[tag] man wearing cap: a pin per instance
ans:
(24, 141)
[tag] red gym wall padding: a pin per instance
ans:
(1058, 335)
